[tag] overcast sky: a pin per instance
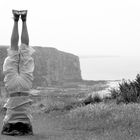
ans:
(106, 29)
(82, 27)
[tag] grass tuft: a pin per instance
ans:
(91, 99)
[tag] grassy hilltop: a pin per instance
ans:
(77, 111)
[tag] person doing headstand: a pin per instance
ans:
(18, 69)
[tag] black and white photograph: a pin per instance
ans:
(70, 70)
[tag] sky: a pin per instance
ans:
(87, 28)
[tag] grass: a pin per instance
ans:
(105, 118)
(68, 98)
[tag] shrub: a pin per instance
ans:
(97, 98)
(114, 93)
(129, 91)
(92, 99)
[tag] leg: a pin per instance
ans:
(15, 37)
(24, 34)
(15, 34)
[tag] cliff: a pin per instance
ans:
(51, 66)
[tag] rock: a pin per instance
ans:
(51, 66)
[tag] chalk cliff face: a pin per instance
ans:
(51, 66)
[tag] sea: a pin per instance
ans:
(110, 67)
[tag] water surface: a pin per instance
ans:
(110, 68)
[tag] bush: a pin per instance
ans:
(92, 99)
(129, 91)
(114, 93)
